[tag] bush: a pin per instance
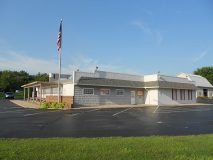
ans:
(45, 105)
(202, 97)
(60, 105)
(52, 105)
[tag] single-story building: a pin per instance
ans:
(204, 87)
(104, 88)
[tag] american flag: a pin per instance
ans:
(59, 41)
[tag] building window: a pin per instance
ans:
(105, 91)
(119, 92)
(189, 94)
(182, 94)
(88, 91)
(140, 93)
(174, 94)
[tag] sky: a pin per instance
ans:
(135, 37)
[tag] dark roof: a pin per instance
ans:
(110, 82)
(132, 84)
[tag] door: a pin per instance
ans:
(132, 97)
(205, 92)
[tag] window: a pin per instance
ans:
(119, 92)
(140, 93)
(174, 94)
(88, 91)
(189, 94)
(182, 94)
(105, 91)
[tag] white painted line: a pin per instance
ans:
(156, 109)
(32, 114)
(122, 111)
(75, 114)
(93, 110)
(159, 122)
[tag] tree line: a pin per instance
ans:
(206, 72)
(13, 80)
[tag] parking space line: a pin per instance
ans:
(93, 110)
(156, 109)
(32, 114)
(75, 114)
(121, 111)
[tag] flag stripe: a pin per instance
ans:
(59, 41)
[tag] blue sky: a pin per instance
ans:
(138, 37)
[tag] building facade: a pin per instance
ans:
(109, 88)
(203, 86)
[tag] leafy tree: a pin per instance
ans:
(41, 77)
(206, 72)
(13, 80)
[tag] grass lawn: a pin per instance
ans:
(115, 148)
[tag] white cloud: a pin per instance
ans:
(143, 26)
(149, 31)
(11, 60)
(200, 56)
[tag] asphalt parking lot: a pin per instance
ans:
(18, 122)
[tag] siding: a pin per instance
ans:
(97, 99)
(165, 97)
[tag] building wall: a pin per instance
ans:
(199, 92)
(210, 93)
(97, 99)
(68, 90)
(165, 97)
(151, 96)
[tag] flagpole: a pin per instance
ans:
(59, 54)
(59, 76)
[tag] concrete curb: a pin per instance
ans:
(137, 106)
(113, 106)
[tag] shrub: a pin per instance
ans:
(202, 97)
(52, 105)
(60, 105)
(45, 105)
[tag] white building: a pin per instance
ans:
(104, 88)
(204, 88)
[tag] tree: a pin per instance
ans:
(206, 72)
(13, 80)
(41, 77)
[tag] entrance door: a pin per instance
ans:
(205, 92)
(132, 97)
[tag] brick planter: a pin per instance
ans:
(68, 100)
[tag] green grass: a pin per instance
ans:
(115, 148)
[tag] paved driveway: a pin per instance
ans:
(180, 120)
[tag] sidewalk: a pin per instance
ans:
(26, 104)
(114, 106)
(136, 106)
